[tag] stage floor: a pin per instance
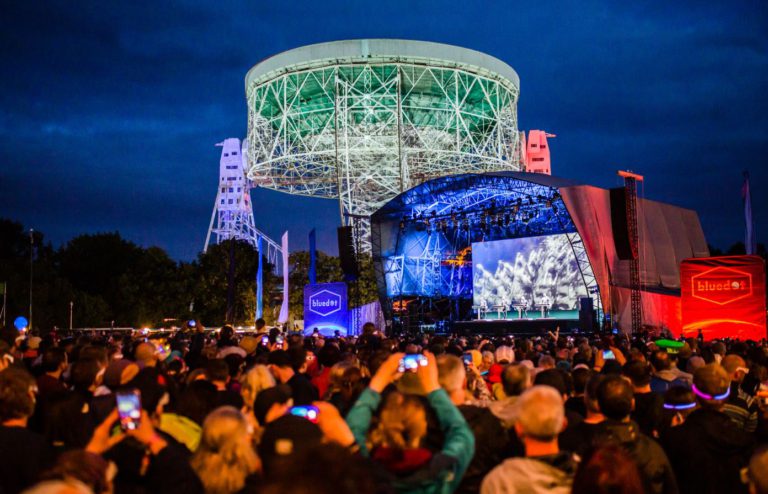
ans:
(532, 315)
(515, 327)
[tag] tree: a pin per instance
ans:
(210, 284)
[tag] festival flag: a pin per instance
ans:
(259, 281)
(286, 293)
(750, 243)
(312, 258)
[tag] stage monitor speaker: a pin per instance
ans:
(347, 253)
(586, 314)
(619, 224)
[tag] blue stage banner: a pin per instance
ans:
(325, 308)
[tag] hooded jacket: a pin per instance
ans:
(544, 474)
(655, 468)
(707, 452)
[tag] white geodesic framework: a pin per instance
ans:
(362, 121)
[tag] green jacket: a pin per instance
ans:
(446, 469)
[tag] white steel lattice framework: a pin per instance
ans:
(362, 121)
(232, 216)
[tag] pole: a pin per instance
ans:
(31, 272)
(71, 307)
(5, 301)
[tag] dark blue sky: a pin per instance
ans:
(109, 111)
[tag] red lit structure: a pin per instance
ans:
(724, 297)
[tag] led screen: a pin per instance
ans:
(533, 269)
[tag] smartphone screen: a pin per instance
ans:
(411, 363)
(309, 412)
(467, 359)
(129, 409)
(608, 354)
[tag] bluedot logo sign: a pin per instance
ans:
(325, 308)
(324, 303)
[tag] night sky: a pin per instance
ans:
(109, 111)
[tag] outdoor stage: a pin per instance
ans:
(511, 238)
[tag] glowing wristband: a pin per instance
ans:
(684, 406)
(706, 396)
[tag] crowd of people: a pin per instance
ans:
(196, 411)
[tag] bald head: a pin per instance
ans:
(540, 413)
(145, 354)
(735, 366)
(711, 380)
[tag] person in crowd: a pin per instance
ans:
(395, 443)
(581, 437)
(708, 450)
(282, 367)
(515, 379)
(679, 403)
(24, 454)
(85, 468)
(53, 365)
(71, 420)
(740, 406)
(328, 356)
(666, 374)
(575, 403)
(616, 401)
(607, 469)
(217, 371)
(184, 420)
(558, 379)
(347, 390)
(490, 436)
(648, 405)
(756, 473)
(146, 354)
(225, 460)
(544, 469)
(256, 380)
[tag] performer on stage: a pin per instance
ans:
(545, 305)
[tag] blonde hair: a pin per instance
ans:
(336, 377)
(255, 381)
(402, 423)
(225, 456)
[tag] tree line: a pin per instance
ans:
(112, 282)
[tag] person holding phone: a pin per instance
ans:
(397, 440)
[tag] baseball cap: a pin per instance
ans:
(119, 373)
(287, 436)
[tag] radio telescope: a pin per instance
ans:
(361, 121)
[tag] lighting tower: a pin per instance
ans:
(361, 121)
(630, 195)
(232, 216)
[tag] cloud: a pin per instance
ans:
(110, 114)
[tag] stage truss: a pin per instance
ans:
(365, 127)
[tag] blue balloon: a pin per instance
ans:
(21, 323)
